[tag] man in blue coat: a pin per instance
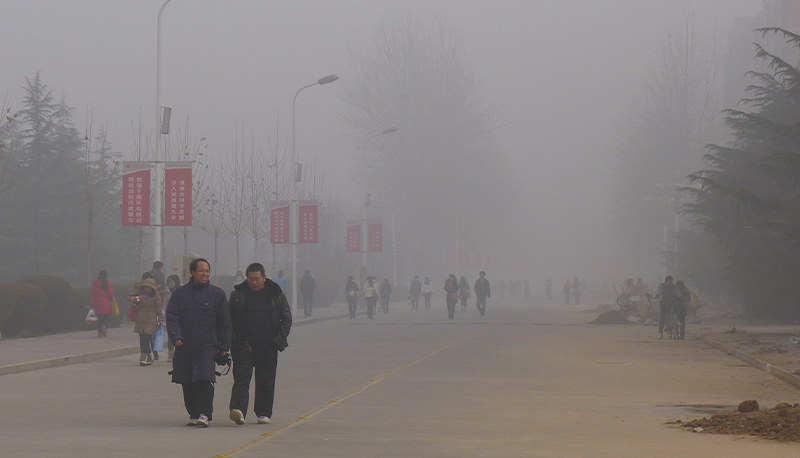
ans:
(199, 325)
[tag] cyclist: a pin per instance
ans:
(669, 299)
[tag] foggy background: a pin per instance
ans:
(558, 74)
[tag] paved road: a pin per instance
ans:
(527, 380)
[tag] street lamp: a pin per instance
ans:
(159, 213)
(293, 207)
(387, 131)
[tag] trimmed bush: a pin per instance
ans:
(61, 314)
(21, 308)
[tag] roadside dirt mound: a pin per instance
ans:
(599, 309)
(611, 317)
(782, 423)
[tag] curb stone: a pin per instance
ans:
(782, 374)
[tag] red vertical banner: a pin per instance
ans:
(353, 236)
(309, 226)
(279, 230)
(135, 193)
(375, 237)
(178, 196)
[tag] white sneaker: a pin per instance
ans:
(660, 336)
(263, 420)
(237, 416)
(192, 422)
(202, 421)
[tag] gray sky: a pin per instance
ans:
(560, 73)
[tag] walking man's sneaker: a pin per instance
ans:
(202, 421)
(237, 416)
(263, 420)
(192, 422)
(660, 336)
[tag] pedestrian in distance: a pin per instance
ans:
(427, 292)
(149, 318)
(262, 319)
(307, 286)
(451, 287)
(371, 296)
(684, 298)
(157, 274)
(482, 291)
(463, 293)
(567, 291)
(414, 291)
(386, 293)
(100, 302)
(199, 324)
(577, 290)
(351, 294)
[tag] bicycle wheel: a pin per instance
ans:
(672, 319)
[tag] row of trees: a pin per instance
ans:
(57, 191)
(60, 195)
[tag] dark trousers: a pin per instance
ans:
(385, 303)
(198, 397)
(307, 298)
(480, 302)
(372, 301)
(427, 297)
(263, 358)
(146, 343)
(451, 308)
(464, 303)
(351, 306)
(415, 302)
(680, 314)
(102, 320)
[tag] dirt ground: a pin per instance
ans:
(777, 344)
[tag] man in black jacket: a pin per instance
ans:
(482, 291)
(261, 319)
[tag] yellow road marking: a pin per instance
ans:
(266, 436)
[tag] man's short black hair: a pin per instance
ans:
(255, 267)
(157, 265)
(280, 273)
(482, 273)
(193, 264)
(668, 279)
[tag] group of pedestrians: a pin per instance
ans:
(673, 297)
(206, 330)
(573, 289)
(372, 291)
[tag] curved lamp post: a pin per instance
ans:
(293, 209)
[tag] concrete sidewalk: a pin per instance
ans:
(27, 354)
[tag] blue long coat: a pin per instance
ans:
(198, 315)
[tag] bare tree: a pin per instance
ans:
(672, 116)
(234, 196)
(212, 213)
(8, 159)
(415, 77)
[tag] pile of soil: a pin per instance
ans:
(599, 309)
(611, 317)
(782, 423)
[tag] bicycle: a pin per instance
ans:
(672, 325)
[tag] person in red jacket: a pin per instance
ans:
(102, 293)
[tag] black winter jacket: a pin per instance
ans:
(280, 312)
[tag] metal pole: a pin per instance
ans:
(158, 248)
(293, 204)
(394, 252)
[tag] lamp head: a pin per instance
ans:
(327, 79)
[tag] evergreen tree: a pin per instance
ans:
(749, 197)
